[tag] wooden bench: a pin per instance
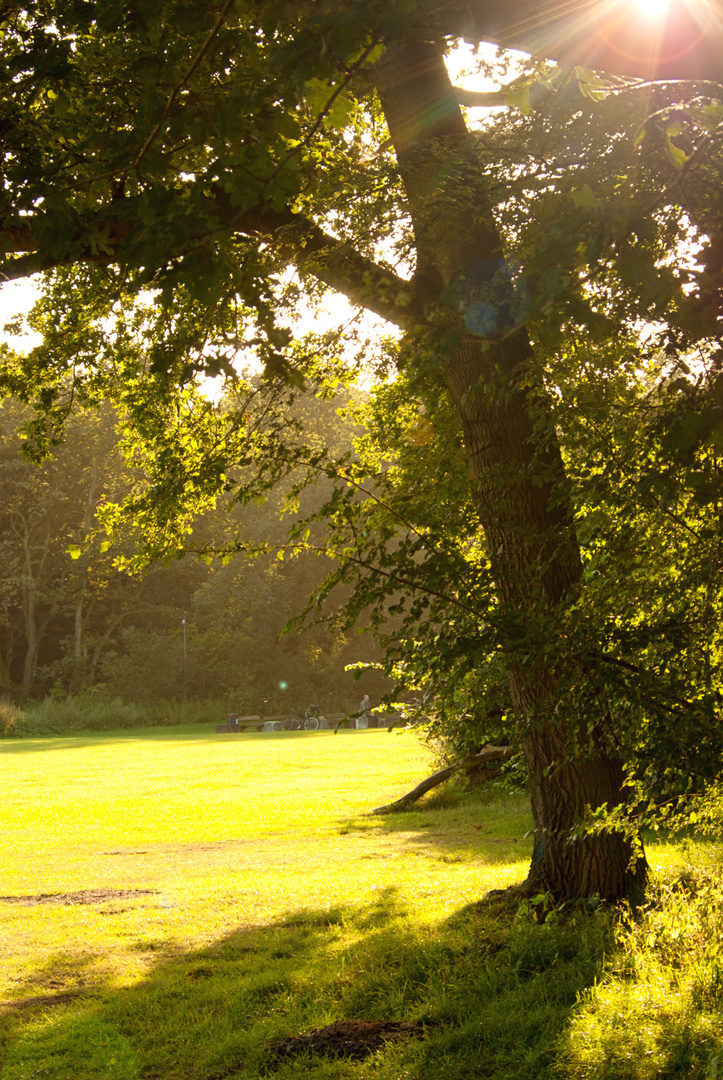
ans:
(328, 721)
(273, 723)
(385, 720)
(254, 722)
(237, 724)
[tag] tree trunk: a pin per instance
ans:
(35, 556)
(515, 466)
(6, 657)
(80, 653)
(103, 640)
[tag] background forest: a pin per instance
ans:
(78, 625)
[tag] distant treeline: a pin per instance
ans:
(74, 625)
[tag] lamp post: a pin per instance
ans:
(185, 658)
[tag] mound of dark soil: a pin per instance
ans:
(354, 1039)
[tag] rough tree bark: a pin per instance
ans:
(514, 460)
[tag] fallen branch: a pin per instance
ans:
(487, 753)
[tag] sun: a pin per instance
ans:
(652, 9)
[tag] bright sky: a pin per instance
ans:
(16, 298)
(652, 9)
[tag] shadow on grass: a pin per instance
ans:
(495, 993)
(161, 733)
(461, 826)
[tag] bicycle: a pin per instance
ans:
(311, 718)
(309, 721)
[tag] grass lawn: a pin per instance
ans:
(174, 901)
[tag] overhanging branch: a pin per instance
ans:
(304, 243)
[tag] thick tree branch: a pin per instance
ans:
(488, 753)
(342, 268)
(312, 250)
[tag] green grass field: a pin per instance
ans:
(174, 901)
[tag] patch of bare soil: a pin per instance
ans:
(354, 1039)
(85, 896)
(125, 853)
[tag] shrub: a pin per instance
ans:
(9, 716)
(95, 712)
(83, 712)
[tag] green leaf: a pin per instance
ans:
(520, 99)
(640, 134)
(591, 85)
(637, 270)
(339, 114)
(584, 199)
(677, 156)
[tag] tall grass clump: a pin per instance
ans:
(96, 712)
(168, 711)
(657, 1010)
(81, 712)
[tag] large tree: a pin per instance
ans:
(198, 150)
